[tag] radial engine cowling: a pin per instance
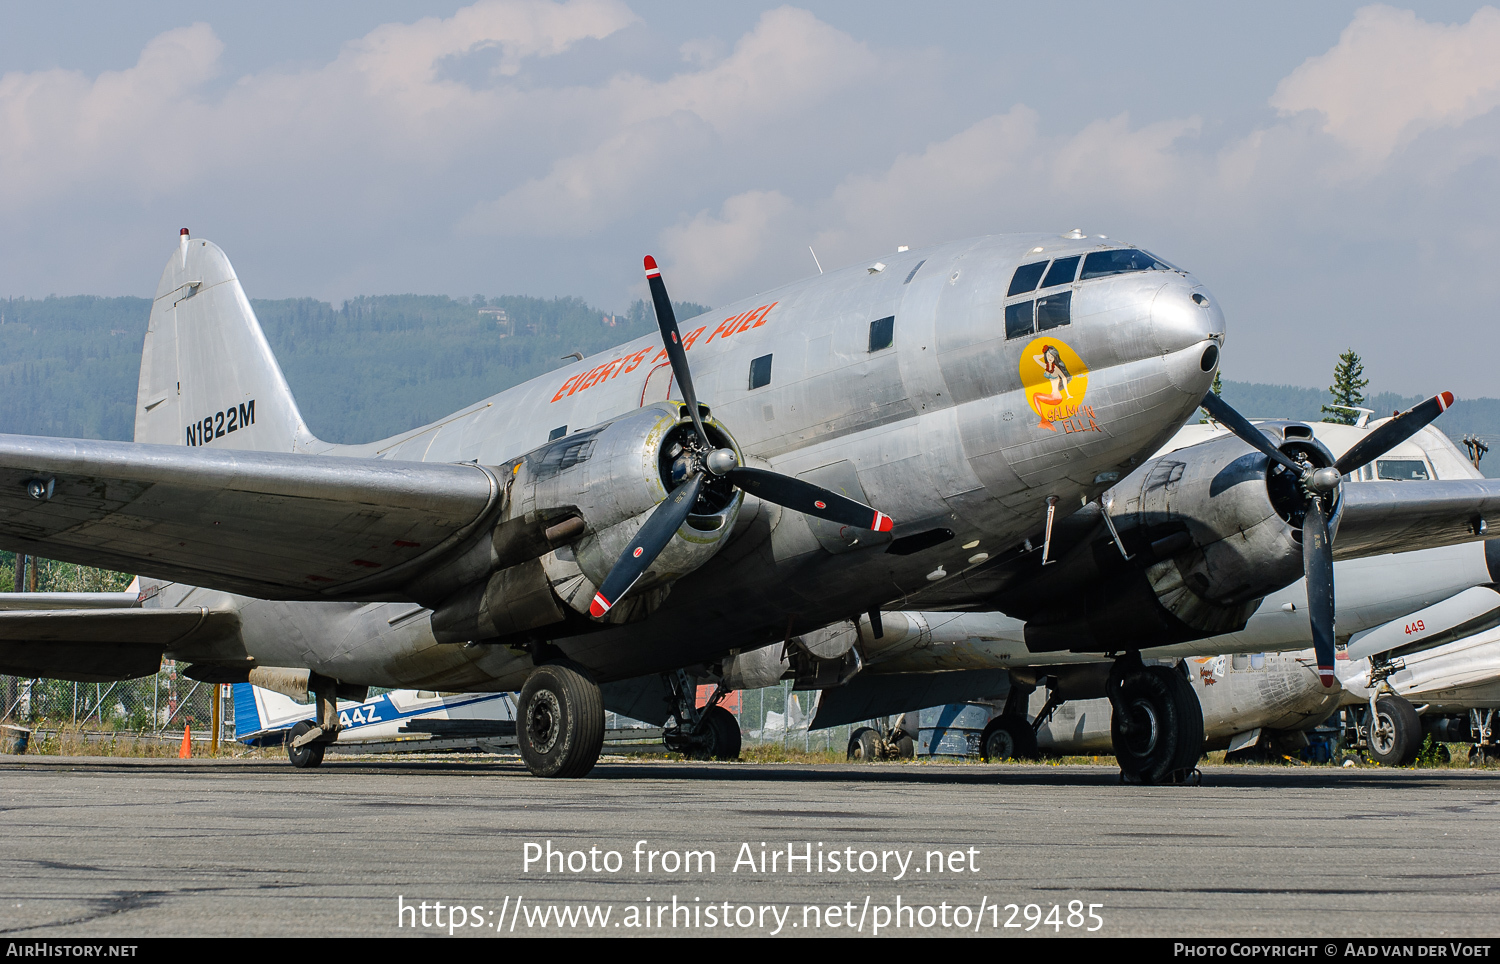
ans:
(613, 476)
(1210, 531)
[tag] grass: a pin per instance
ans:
(68, 740)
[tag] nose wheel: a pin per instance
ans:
(1156, 722)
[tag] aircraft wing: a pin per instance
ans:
(266, 524)
(1384, 517)
(99, 645)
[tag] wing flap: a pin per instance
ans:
(1381, 517)
(99, 645)
(267, 524)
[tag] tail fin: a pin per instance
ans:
(207, 374)
(261, 714)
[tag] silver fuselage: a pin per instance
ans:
(938, 431)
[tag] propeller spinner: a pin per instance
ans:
(1319, 488)
(703, 461)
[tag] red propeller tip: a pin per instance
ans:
(599, 607)
(1445, 399)
(883, 522)
(651, 265)
(1327, 676)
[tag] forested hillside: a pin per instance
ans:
(369, 368)
(377, 365)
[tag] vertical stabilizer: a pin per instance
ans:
(207, 374)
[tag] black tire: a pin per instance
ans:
(906, 747)
(1168, 734)
(560, 725)
(307, 756)
(1394, 737)
(864, 745)
(1008, 738)
(722, 731)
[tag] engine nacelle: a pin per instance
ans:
(573, 505)
(1210, 531)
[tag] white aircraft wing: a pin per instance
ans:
(1384, 517)
(266, 524)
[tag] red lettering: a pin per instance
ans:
(635, 362)
(726, 327)
(564, 390)
(692, 337)
(762, 313)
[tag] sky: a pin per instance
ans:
(1328, 170)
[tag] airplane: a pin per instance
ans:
(1252, 703)
(1434, 672)
(417, 719)
(599, 526)
(920, 658)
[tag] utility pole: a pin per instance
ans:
(218, 716)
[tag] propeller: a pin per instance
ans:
(1319, 487)
(702, 461)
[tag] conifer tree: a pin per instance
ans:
(1347, 389)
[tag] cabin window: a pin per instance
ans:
(913, 272)
(1025, 278)
(760, 371)
(1102, 264)
(1401, 470)
(1062, 271)
(1018, 319)
(557, 433)
(882, 333)
(1053, 311)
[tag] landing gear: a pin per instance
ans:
(307, 755)
(307, 740)
(869, 745)
(560, 728)
(707, 733)
(1156, 724)
(1008, 738)
(1395, 732)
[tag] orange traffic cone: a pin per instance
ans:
(186, 751)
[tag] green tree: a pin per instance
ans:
(1347, 389)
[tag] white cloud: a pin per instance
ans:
(1392, 76)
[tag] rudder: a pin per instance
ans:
(208, 376)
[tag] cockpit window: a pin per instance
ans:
(1101, 264)
(1401, 470)
(1063, 270)
(1018, 319)
(1026, 277)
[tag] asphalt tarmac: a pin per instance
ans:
(120, 848)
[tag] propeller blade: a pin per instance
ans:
(666, 320)
(1239, 425)
(1393, 433)
(808, 498)
(1317, 565)
(665, 520)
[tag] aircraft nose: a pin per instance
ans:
(1183, 316)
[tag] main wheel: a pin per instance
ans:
(722, 733)
(308, 755)
(1165, 735)
(1008, 738)
(864, 745)
(1395, 735)
(560, 729)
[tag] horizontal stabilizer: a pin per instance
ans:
(267, 524)
(1472, 611)
(100, 645)
(868, 697)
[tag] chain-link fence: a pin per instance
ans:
(157, 704)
